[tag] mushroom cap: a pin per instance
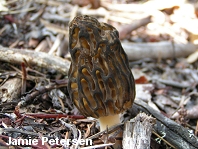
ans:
(100, 80)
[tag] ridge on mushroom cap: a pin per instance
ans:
(100, 80)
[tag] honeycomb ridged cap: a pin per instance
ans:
(100, 80)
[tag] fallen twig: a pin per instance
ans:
(166, 49)
(127, 29)
(135, 51)
(146, 7)
(39, 59)
(44, 115)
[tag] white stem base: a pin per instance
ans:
(108, 121)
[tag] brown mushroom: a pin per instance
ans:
(100, 81)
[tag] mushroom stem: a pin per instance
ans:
(108, 121)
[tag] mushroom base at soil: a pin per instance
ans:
(108, 121)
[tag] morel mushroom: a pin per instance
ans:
(100, 81)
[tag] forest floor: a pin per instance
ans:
(159, 37)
